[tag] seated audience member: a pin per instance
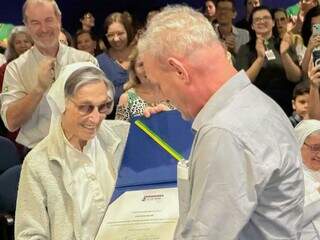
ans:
(232, 36)
(271, 64)
(281, 20)
(87, 42)
(65, 38)
(67, 180)
(19, 41)
(311, 40)
(308, 135)
(115, 60)
(28, 78)
(300, 101)
(249, 6)
(314, 95)
(210, 11)
(140, 93)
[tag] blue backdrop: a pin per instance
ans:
(10, 10)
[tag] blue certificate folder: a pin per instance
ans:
(145, 164)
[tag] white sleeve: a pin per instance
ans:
(31, 219)
(12, 89)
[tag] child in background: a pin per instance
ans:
(300, 103)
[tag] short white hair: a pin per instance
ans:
(176, 30)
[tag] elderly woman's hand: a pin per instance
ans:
(148, 111)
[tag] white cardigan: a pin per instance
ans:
(311, 228)
(46, 208)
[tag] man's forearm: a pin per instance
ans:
(20, 111)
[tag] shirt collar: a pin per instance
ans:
(221, 98)
(40, 56)
(234, 30)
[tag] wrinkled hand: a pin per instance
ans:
(314, 74)
(314, 41)
(286, 43)
(260, 48)
(149, 111)
(46, 74)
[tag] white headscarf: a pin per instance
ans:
(104, 151)
(56, 95)
(305, 128)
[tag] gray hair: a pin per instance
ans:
(11, 52)
(84, 76)
(176, 30)
(27, 2)
(316, 132)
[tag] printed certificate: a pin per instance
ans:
(141, 215)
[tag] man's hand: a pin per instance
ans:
(45, 75)
(230, 42)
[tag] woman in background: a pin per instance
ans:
(19, 41)
(86, 41)
(282, 21)
(115, 60)
(210, 11)
(271, 63)
(139, 92)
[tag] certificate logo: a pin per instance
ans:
(152, 196)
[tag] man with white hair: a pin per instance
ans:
(243, 179)
(28, 78)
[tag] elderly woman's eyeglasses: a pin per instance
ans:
(86, 109)
(313, 148)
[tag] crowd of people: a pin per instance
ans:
(66, 102)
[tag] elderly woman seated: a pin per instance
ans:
(67, 180)
(308, 135)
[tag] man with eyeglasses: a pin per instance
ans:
(232, 36)
(28, 78)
